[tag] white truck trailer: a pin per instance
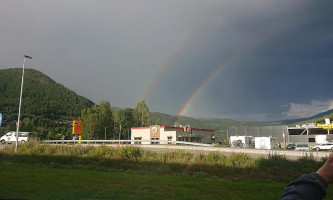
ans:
(324, 139)
(241, 141)
(266, 143)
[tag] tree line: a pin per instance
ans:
(98, 122)
(101, 122)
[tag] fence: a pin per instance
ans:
(259, 131)
(166, 142)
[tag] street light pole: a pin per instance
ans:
(119, 133)
(19, 113)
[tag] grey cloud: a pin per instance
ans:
(111, 50)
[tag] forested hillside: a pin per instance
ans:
(45, 103)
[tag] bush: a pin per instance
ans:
(103, 152)
(129, 152)
(214, 158)
(240, 160)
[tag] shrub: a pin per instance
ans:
(239, 160)
(129, 152)
(103, 152)
(214, 158)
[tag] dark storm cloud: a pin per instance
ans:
(111, 50)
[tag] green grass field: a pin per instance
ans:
(38, 171)
(37, 182)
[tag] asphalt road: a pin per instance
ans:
(289, 154)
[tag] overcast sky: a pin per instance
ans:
(244, 60)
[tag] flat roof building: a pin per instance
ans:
(170, 134)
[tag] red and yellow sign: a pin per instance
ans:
(77, 127)
(155, 131)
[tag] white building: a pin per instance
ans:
(167, 134)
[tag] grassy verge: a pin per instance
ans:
(38, 171)
(31, 182)
(214, 164)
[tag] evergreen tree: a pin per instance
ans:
(125, 119)
(141, 114)
(105, 116)
(89, 123)
(95, 120)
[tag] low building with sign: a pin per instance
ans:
(168, 134)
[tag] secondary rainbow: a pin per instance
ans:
(166, 63)
(206, 81)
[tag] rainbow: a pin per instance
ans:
(166, 62)
(207, 80)
(249, 45)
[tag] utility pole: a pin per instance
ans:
(19, 113)
(119, 133)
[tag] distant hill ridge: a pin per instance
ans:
(316, 118)
(42, 96)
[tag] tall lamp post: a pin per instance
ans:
(119, 133)
(19, 113)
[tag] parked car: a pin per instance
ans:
(328, 146)
(291, 146)
(10, 137)
(302, 147)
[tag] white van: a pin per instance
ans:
(10, 137)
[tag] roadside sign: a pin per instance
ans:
(77, 130)
(0, 119)
(77, 127)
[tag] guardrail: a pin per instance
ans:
(134, 142)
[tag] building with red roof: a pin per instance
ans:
(156, 134)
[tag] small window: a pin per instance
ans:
(137, 138)
(153, 140)
(312, 139)
(169, 139)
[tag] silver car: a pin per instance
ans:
(302, 147)
(328, 146)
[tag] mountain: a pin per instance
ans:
(44, 101)
(319, 118)
(41, 95)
